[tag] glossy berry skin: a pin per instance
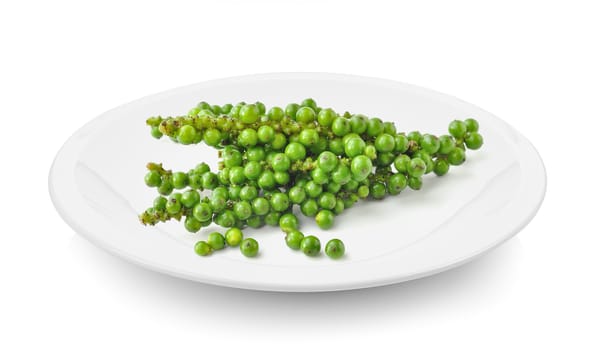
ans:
(187, 134)
(319, 176)
(447, 144)
(309, 207)
(312, 189)
(249, 247)
(326, 117)
(385, 143)
(202, 212)
(415, 183)
(296, 195)
(293, 239)
(279, 201)
(474, 140)
(472, 125)
(327, 200)
(325, 219)
(243, 210)
(335, 249)
(249, 114)
(430, 144)
(275, 113)
(192, 225)
(266, 134)
(340, 126)
(378, 190)
(160, 203)
(260, 206)
(327, 161)
(441, 167)
(456, 157)
(361, 167)
(280, 162)
(295, 151)
(416, 167)
(233, 237)
(457, 129)
(375, 127)
(288, 222)
(396, 183)
(305, 115)
(202, 248)
(354, 146)
(179, 179)
(216, 241)
(153, 179)
(310, 245)
(401, 163)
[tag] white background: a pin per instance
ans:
(539, 65)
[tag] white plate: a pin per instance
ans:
(96, 184)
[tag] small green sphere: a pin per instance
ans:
(192, 225)
(447, 144)
(334, 248)
(327, 161)
(430, 143)
(416, 167)
(441, 167)
(280, 162)
(202, 212)
(309, 207)
(327, 200)
(296, 194)
(153, 178)
(361, 167)
(325, 219)
(457, 156)
(415, 183)
(179, 179)
(216, 241)
(202, 248)
(457, 129)
(243, 210)
(326, 116)
(275, 114)
(309, 137)
(305, 115)
(385, 143)
(260, 206)
(291, 110)
(474, 140)
(249, 247)
(378, 190)
(190, 198)
(249, 114)
(310, 103)
(160, 203)
(266, 134)
(396, 183)
(212, 137)
(186, 135)
(233, 237)
(340, 126)
(310, 245)
(472, 125)
(295, 151)
(288, 222)
(279, 201)
(293, 239)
